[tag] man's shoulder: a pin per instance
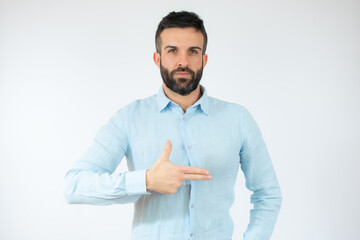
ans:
(139, 105)
(231, 111)
(222, 105)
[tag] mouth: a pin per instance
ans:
(182, 74)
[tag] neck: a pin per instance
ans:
(183, 101)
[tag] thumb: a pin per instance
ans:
(167, 150)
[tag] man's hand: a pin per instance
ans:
(166, 177)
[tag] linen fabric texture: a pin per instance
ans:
(212, 134)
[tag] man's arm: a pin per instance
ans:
(260, 179)
(92, 179)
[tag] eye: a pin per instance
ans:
(193, 51)
(173, 50)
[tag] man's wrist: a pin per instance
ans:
(147, 180)
(135, 182)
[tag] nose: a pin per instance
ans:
(183, 60)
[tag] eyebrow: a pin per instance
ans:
(194, 47)
(169, 46)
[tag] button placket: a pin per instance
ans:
(187, 145)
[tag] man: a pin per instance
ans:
(183, 151)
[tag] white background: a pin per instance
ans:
(67, 66)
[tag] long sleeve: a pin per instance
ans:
(92, 179)
(261, 180)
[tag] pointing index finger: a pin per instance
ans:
(194, 170)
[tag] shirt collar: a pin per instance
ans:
(163, 101)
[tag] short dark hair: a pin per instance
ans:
(181, 19)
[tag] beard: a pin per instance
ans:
(182, 86)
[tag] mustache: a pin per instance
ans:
(182, 69)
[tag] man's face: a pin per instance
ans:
(181, 60)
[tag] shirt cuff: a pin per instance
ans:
(136, 182)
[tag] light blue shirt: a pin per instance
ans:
(212, 134)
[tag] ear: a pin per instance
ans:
(205, 58)
(156, 58)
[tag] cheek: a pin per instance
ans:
(196, 61)
(168, 62)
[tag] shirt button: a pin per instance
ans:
(184, 118)
(191, 234)
(188, 147)
(192, 206)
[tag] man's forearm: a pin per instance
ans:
(90, 187)
(263, 216)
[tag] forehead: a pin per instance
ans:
(181, 37)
